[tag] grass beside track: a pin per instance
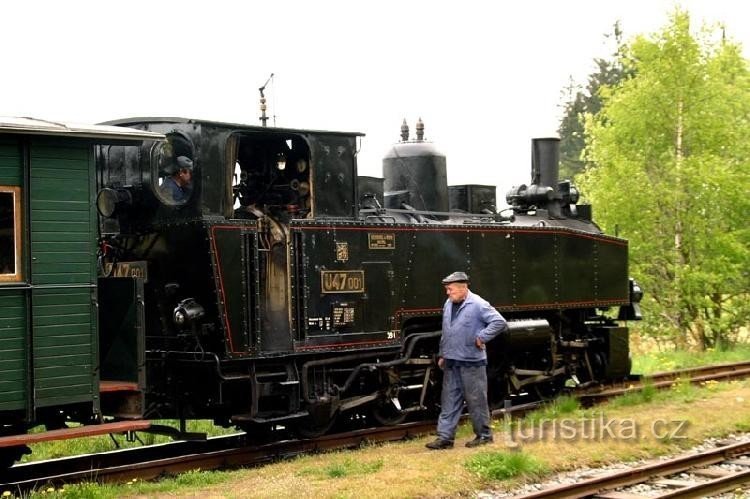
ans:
(671, 360)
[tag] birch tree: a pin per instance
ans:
(670, 160)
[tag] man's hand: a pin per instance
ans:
(441, 362)
(479, 343)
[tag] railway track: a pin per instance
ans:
(234, 450)
(662, 380)
(214, 453)
(713, 471)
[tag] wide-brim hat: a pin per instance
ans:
(456, 277)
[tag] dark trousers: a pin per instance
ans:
(459, 384)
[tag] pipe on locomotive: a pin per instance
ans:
(520, 333)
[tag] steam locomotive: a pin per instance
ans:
(281, 289)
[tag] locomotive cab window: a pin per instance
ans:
(173, 167)
(270, 176)
(10, 234)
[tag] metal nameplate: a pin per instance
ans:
(128, 269)
(379, 240)
(342, 281)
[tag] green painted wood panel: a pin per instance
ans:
(63, 246)
(11, 162)
(13, 365)
(9, 325)
(58, 309)
(10, 346)
(57, 376)
(61, 149)
(59, 215)
(64, 205)
(56, 237)
(61, 190)
(70, 296)
(53, 353)
(63, 240)
(64, 345)
(13, 350)
(72, 193)
(42, 342)
(63, 360)
(11, 398)
(62, 396)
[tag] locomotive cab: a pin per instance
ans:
(271, 175)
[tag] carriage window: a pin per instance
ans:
(172, 163)
(10, 234)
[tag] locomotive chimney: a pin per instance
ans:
(545, 158)
(543, 191)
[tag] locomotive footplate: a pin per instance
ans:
(68, 433)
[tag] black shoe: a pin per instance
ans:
(479, 441)
(440, 444)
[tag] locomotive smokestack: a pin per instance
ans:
(545, 158)
(543, 191)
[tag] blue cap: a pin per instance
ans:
(183, 162)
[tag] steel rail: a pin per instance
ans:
(600, 484)
(663, 380)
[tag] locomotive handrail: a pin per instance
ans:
(380, 217)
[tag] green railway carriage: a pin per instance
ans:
(48, 270)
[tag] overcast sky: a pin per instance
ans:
(485, 77)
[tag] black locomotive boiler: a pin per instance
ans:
(279, 289)
(288, 290)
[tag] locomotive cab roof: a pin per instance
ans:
(135, 121)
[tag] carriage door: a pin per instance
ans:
(122, 346)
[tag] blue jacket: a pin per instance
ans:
(174, 192)
(475, 319)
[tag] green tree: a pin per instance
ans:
(580, 102)
(670, 156)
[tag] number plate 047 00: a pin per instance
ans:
(342, 281)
